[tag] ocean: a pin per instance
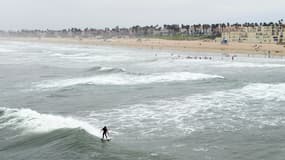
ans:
(158, 105)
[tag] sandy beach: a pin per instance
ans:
(160, 44)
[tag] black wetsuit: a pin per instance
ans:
(105, 131)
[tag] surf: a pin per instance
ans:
(230, 109)
(123, 78)
(248, 65)
(47, 136)
(99, 69)
(29, 121)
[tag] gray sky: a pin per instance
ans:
(59, 14)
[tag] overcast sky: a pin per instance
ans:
(59, 14)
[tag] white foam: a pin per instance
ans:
(251, 106)
(4, 50)
(170, 63)
(248, 65)
(264, 91)
(70, 55)
(126, 79)
(32, 121)
(201, 149)
(92, 57)
(110, 68)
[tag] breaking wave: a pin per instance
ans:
(106, 69)
(30, 121)
(43, 134)
(249, 65)
(91, 57)
(54, 137)
(126, 79)
(5, 50)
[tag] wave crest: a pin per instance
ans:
(126, 79)
(249, 65)
(28, 120)
(105, 69)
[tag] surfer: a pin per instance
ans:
(105, 132)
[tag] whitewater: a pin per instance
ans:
(55, 98)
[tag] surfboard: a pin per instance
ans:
(108, 139)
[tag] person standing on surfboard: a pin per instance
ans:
(105, 132)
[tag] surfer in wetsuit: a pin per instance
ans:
(105, 131)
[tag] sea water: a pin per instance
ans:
(55, 98)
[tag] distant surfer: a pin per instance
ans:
(105, 132)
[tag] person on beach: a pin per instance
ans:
(105, 132)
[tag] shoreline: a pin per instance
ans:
(177, 45)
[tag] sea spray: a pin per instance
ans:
(29, 121)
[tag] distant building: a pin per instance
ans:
(255, 34)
